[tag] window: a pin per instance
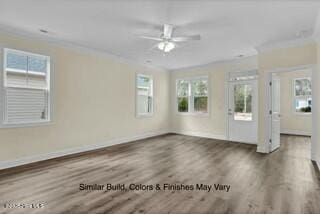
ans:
(183, 95)
(243, 102)
(192, 95)
(26, 85)
(144, 90)
(302, 95)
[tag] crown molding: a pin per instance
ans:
(215, 63)
(79, 48)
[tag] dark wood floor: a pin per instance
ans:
(285, 181)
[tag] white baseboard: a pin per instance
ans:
(208, 135)
(200, 134)
(36, 158)
(295, 132)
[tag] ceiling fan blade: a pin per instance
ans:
(167, 31)
(186, 38)
(151, 38)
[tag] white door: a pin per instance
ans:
(275, 113)
(243, 111)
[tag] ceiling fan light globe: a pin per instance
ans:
(161, 46)
(170, 46)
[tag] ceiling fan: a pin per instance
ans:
(167, 42)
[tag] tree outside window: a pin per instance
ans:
(192, 95)
(302, 95)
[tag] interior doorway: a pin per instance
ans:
(290, 104)
(243, 107)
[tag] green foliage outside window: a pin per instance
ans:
(183, 104)
(243, 99)
(201, 104)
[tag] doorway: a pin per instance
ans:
(243, 107)
(289, 105)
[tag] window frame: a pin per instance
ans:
(188, 96)
(191, 97)
(3, 88)
(150, 114)
(295, 97)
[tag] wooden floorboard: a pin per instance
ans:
(285, 181)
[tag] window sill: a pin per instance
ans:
(302, 114)
(144, 115)
(193, 114)
(24, 125)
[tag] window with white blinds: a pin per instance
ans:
(26, 84)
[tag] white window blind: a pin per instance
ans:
(26, 87)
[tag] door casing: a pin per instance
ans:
(315, 123)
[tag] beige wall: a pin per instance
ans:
(80, 119)
(213, 125)
(292, 122)
(94, 101)
(277, 59)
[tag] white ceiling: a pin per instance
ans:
(227, 28)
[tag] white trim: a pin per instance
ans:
(315, 154)
(215, 63)
(226, 103)
(314, 136)
(2, 92)
(25, 124)
(296, 132)
(196, 114)
(318, 163)
(79, 48)
(61, 153)
(200, 134)
(144, 115)
(49, 88)
(23, 52)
